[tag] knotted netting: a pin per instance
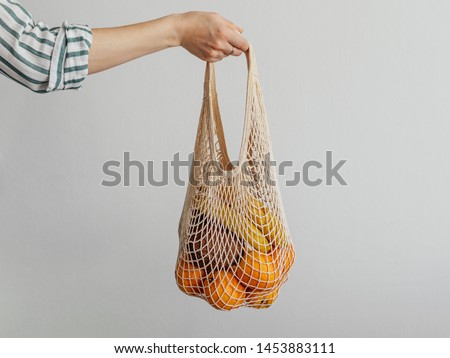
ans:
(235, 247)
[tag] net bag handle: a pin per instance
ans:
(212, 112)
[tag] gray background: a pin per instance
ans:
(368, 80)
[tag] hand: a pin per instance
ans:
(209, 36)
(206, 35)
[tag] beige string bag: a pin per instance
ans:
(235, 247)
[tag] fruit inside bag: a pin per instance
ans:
(235, 247)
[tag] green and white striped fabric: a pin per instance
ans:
(41, 58)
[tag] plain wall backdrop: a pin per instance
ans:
(368, 80)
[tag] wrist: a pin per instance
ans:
(177, 25)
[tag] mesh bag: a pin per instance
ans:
(235, 247)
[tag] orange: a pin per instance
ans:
(189, 278)
(257, 271)
(259, 299)
(223, 291)
(288, 258)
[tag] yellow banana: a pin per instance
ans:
(269, 224)
(240, 226)
(262, 300)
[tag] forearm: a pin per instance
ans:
(114, 46)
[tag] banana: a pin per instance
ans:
(242, 227)
(269, 224)
(260, 300)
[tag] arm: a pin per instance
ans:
(206, 35)
(48, 59)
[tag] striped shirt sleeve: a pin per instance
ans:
(38, 57)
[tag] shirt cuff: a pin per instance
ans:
(69, 64)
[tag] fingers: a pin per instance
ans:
(236, 52)
(231, 50)
(218, 55)
(232, 43)
(227, 49)
(234, 27)
(237, 41)
(223, 39)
